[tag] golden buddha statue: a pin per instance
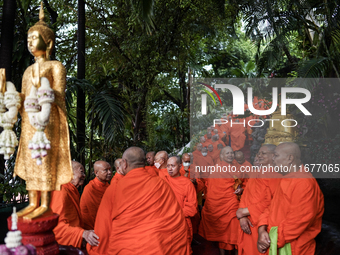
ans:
(55, 168)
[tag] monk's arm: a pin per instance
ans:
(302, 211)
(65, 234)
(190, 204)
(256, 209)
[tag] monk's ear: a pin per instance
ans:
(291, 158)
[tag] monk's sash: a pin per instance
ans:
(285, 250)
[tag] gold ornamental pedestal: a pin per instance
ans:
(282, 130)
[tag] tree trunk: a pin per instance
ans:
(81, 75)
(7, 34)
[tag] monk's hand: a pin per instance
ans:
(245, 224)
(239, 213)
(238, 191)
(91, 237)
(263, 241)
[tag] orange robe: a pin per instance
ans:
(215, 154)
(146, 217)
(152, 170)
(66, 203)
(203, 163)
(90, 200)
(182, 171)
(207, 143)
(199, 186)
(102, 226)
(117, 176)
(237, 136)
(256, 197)
(186, 196)
(296, 209)
(163, 172)
(218, 217)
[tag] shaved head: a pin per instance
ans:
(227, 154)
(102, 170)
(178, 159)
(287, 154)
(270, 147)
(117, 162)
(161, 159)
(239, 157)
(78, 174)
(215, 138)
(186, 157)
(133, 157)
(150, 157)
(98, 164)
(117, 166)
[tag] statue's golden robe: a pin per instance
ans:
(56, 167)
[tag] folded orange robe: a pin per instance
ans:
(237, 136)
(296, 209)
(256, 197)
(163, 172)
(152, 170)
(66, 203)
(89, 202)
(199, 186)
(102, 226)
(219, 222)
(186, 196)
(182, 171)
(146, 217)
(117, 176)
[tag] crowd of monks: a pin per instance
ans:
(157, 208)
(154, 204)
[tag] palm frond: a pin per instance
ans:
(314, 68)
(110, 113)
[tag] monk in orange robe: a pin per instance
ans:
(208, 132)
(296, 208)
(237, 135)
(102, 226)
(214, 153)
(216, 141)
(145, 217)
(161, 159)
(239, 158)
(66, 203)
(255, 199)
(219, 134)
(202, 161)
(184, 191)
(186, 162)
(150, 158)
(93, 193)
(219, 222)
(198, 149)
